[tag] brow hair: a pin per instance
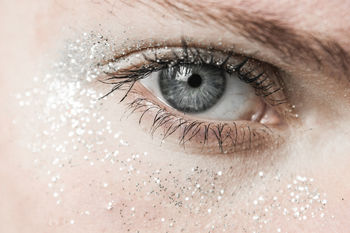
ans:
(292, 45)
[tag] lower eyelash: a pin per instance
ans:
(230, 137)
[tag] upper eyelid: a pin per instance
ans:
(183, 43)
(165, 55)
(176, 51)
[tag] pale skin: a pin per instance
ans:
(316, 145)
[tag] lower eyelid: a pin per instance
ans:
(231, 137)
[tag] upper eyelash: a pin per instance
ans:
(262, 85)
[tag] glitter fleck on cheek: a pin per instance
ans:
(292, 202)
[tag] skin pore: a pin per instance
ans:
(83, 166)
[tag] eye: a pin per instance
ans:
(209, 100)
(206, 92)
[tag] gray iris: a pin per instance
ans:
(192, 88)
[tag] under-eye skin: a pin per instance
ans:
(200, 78)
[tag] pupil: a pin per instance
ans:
(194, 80)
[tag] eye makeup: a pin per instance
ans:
(238, 135)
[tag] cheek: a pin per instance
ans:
(138, 191)
(328, 159)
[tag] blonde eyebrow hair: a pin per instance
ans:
(291, 44)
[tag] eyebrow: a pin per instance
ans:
(327, 55)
